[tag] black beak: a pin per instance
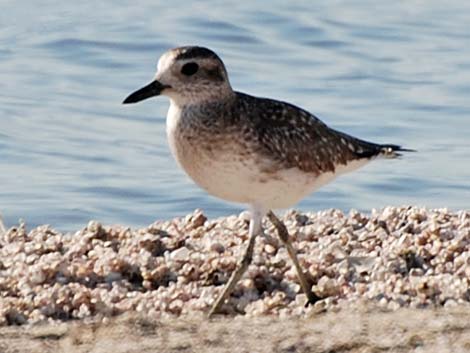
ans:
(152, 89)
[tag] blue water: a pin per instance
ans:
(395, 72)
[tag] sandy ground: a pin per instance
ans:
(362, 330)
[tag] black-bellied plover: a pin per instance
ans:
(256, 151)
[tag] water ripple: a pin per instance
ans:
(69, 151)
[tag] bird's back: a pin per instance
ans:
(294, 138)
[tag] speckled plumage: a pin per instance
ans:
(248, 149)
(281, 134)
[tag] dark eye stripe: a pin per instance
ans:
(189, 69)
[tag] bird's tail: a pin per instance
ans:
(365, 149)
(392, 151)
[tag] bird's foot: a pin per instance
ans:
(312, 299)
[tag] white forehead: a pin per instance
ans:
(165, 61)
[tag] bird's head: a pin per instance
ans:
(187, 75)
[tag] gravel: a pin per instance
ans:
(397, 257)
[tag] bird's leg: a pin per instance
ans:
(284, 236)
(255, 229)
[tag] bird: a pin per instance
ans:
(261, 152)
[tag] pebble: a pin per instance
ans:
(217, 247)
(181, 254)
(395, 257)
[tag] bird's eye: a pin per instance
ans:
(189, 69)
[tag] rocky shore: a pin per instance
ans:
(406, 257)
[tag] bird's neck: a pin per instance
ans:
(193, 100)
(201, 115)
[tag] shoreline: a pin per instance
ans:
(366, 329)
(397, 257)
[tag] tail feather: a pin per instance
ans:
(387, 151)
(366, 149)
(371, 150)
(392, 151)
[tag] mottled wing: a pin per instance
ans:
(292, 137)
